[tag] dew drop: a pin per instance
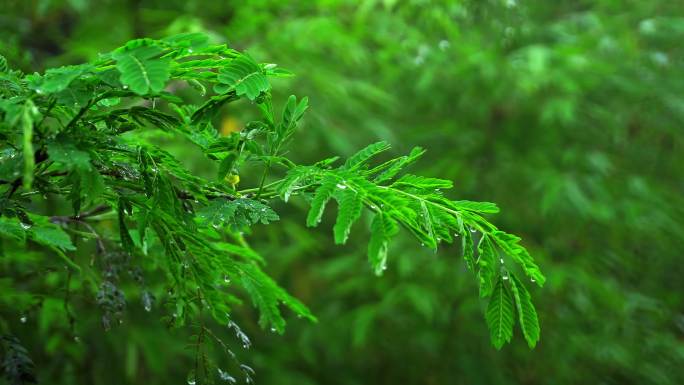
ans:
(341, 186)
(505, 278)
(77, 339)
(25, 226)
(226, 279)
(246, 369)
(444, 44)
(225, 376)
(191, 378)
(125, 87)
(273, 330)
(23, 319)
(472, 230)
(533, 280)
(147, 299)
(501, 260)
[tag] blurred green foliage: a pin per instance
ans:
(568, 114)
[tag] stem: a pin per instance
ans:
(263, 178)
(80, 114)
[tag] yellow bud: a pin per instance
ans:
(233, 179)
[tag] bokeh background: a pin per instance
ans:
(568, 114)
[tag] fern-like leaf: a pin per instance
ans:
(529, 323)
(511, 245)
(321, 197)
(486, 263)
(350, 203)
(365, 154)
(383, 228)
(499, 315)
(468, 253)
(244, 76)
(141, 71)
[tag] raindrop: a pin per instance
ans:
(25, 226)
(341, 186)
(191, 378)
(533, 280)
(190, 50)
(273, 330)
(39, 91)
(225, 376)
(456, 235)
(226, 279)
(246, 369)
(23, 319)
(472, 230)
(505, 278)
(125, 87)
(77, 339)
(147, 300)
(501, 260)
(444, 44)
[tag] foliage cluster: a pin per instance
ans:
(75, 136)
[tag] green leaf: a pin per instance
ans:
(51, 235)
(509, 243)
(12, 228)
(499, 315)
(362, 156)
(321, 197)
(67, 154)
(529, 323)
(422, 182)
(238, 213)
(244, 76)
(487, 265)
(58, 79)
(350, 203)
(467, 246)
(383, 228)
(266, 296)
(480, 207)
(141, 71)
(124, 235)
(391, 168)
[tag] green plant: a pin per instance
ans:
(75, 136)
